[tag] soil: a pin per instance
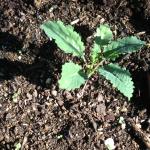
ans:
(35, 112)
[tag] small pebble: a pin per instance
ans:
(123, 126)
(101, 109)
(8, 116)
(100, 98)
(75, 21)
(19, 57)
(1, 136)
(29, 96)
(60, 102)
(109, 143)
(54, 93)
(35, 93)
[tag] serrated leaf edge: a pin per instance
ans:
(119, 79)
(77, 37)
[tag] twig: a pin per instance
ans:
(90, 74)
(143, 136)
(83, 89)
(24, 141)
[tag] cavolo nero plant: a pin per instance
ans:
(104, 51)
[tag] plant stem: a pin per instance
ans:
(89, 75)
(84, 60)
(83, 89)
(99, 64)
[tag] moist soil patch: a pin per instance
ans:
(35, 112)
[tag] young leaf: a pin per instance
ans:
(102, 37)
(121, 46)
(103, 34)
(65, 37)
(119, 77)
(95, 52)
(72, 76)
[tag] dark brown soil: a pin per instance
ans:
(43, 116)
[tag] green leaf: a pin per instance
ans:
(103, 34)
(72, 76)
(65, 37)
(119, 77)
(18, 146)
(95, 52)
(111, 55)
(102, 37)
(122, 46)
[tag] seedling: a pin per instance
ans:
(17, 146)
(122, 122)
(104, 51)
(15, 96)
(59, 136)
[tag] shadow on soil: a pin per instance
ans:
(140, 102)
(141, 99)
(84, 31)
(7, 146)
(9, 42)
(139, 19)
(37, 72)
(136, 138)
(141, 23)
(47, 60)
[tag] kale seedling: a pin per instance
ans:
(104, 50)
